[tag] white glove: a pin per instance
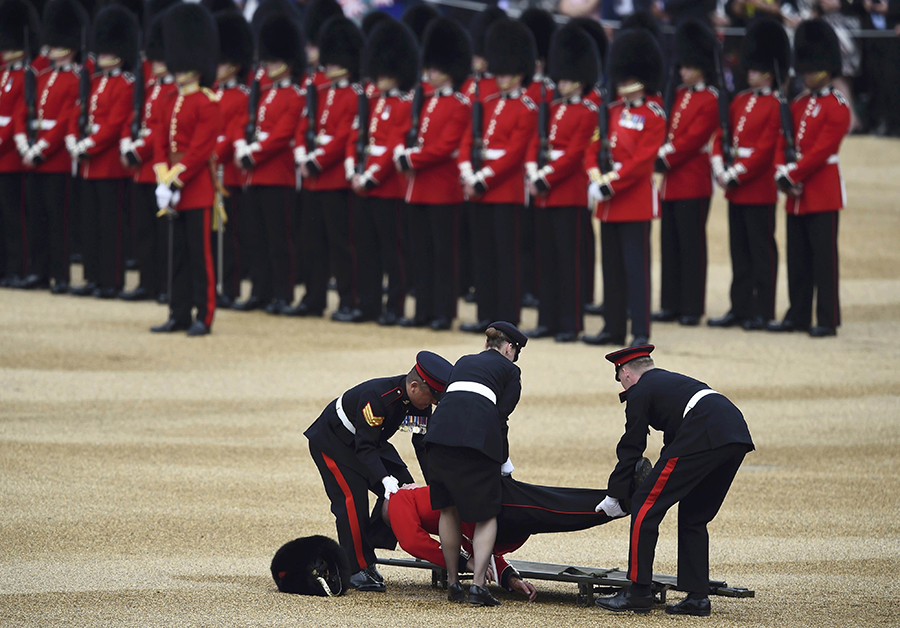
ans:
(21, 143)
(610, 505)
(300, 155)
(71, 143)
(594, 193)
(391, 485)
(163, 196)
(176, 198)
(349, 168)
(507, 468)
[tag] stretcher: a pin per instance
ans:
(590, 580)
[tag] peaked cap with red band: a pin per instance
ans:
(435, 370)
(624, 356)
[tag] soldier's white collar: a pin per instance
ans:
(513, 93)
(762, 91)
(444, 91)
(341, 83)
(698, 87)
(113, 72)
(230, 83)
(631, 104)
(825, 91)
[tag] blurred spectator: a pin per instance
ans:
(882, 68)
(843, 23)
(742, 12)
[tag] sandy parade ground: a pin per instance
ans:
(147, 480)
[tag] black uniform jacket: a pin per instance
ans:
(468, 419)
(376, 409)
(658, 400)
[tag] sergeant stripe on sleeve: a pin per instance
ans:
(369, 416)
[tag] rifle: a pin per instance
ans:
(84, 89)
(477, 156)
(543, 128)
(138, 100)
(604, 155)
(412, 136)
(724, 120)
(362, 137)
(787, 120)
(252, 103)
(312, 109)
(30, 95)
(669, 96)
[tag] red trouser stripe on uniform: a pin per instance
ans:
(648, 504)
(208, 263)
(350, 505)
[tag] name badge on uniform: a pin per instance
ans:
(629, 120)
(414, 424)
(386, 113)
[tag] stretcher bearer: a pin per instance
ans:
(432, 190)
(814, 186)
(183, 162)
(705, 439)
(497, 185)
(349, 444)
(687, 180)
(559, 184)
(115, 37)
(16, 17)
(749, 182)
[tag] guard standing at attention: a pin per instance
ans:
(349, 444)
(705, 439)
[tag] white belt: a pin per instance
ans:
(834, 159)
(323, 140)
(262, 136)
(45, 125)
(556, 154)
(473, 387)
(343, 415)
(377, 151)
(5, 120)
(95, 129)
(490, 154)
(744, 153)
(700, 394)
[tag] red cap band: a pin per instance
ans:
(435, 385)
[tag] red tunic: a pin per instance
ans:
(108, 113)
(336, 106)
(487, 86)
(280, 106)
(233, 102)
(389, 121)
(11, 93)
(695, 118)
(154, 96)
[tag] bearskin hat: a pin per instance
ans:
(341, 44)
(135, 6)
(573, 56)
(279, 38)
(816, 48)
(392, 51)
(191, 41)
(267, 8)
(154, 49)
(642, 20)
(373, 19)
(695, 47)
(509, 49)
(319, 12)
(635, 54)
(593, 28)
(417, 17)
(765, 45)
(235, 40)
(214, 6)
(542, 26)
(63, 23)
(446, 47)
(15, 17)
(116, 33)
(479, 26)
(312, 565)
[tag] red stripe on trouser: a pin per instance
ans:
(350, 505)
(210, 273)
(647, 505)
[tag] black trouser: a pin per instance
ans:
(683, 253)
(529, 250)
(433, 232)
(625, 255)
(882, 61)
(465, 253)
(812, 266)
(495, 230)
(231, 246)
(13, 243)
(297, 238)
(49, 199)
(151, 243)
(377, 224)
(327, 221)
(193, 279)
(272, 267)
(102, 203)
(698, 483)
(348, 491)
(754, 260)
(588, 256)
(560, 242)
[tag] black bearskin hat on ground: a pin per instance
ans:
(634, 54)
(191, 41)
(595, 30)
(214, 6)
(446, 47)
(642, 20)
(341, 44)
(573, 56)
(15, 17)
(509, 49)
(479, 26)
(766, 44)
(695, 47)
(373, 19)
(302, 565)
(317, 13)
(279, 38)
(116, 33)
(235, 40)
(816, 48)
(418, 17)
(542, 26)
(392, 52)
(63, 23)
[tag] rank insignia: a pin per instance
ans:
(369, 416)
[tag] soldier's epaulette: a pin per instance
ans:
(839, 97)
(462, 98)
(299, 90)
(528, 102)
(391, 396)
(244, 88)
(713, 90)
(370, 89)
(490, 97)
(406, 97)
(357, 88)
(128, 76)
(655, 108)
(590, 105)
(210, 94)
(549, 83)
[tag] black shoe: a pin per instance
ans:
(594, 309)
(687, 606)
(301, 309)
(138, 294)
(689, 320)
(60, 287)
(470, 297)
(441, 324)
(131, 264)
(362, 580)
(276, 306)
(75, 258)
(641, 471)
(753, 324)
(374, 573)
(198, 328)
(456, 593)
(639, 341)
(475, 328)
(84, 291)
(664, 316)
(624, 601)
(170, 326)
(529, 300)
(388, 319)
(728, 320)
(480, 596)
(541, 331)
(9, 281)
(224, 301)
(347, 315)
(566, 336)
(162, 298)
(820, 331)
(408, 321)
(253, 303)
(785, 326)
(603, 338)
(33, 282)
(105, 293)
